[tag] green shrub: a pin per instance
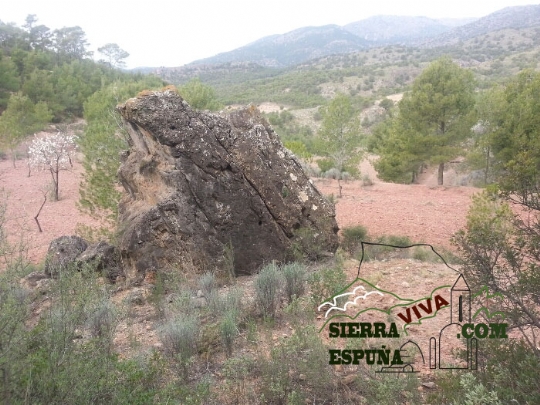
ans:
(103, 320)
(230, 302)
(474, 393)
(207, 283)
(297, 368)
(237, 372)
(366, 180)
(327, 282)
(229, 331)
(512, 370)
(267, 290)
(332, 173)
(385, 389)
(352, 236)
(295, 279)
(384, 248)
(179, 337)
(157, 295)
(401, 241)
(325, 164)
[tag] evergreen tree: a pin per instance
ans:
(9, 80)
(199, 95)
(437, 115)
(20, 119)
(114, 55)
(341, 135)
(101, 143)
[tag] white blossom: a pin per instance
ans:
(53, 152)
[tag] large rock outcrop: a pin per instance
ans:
(198, 182)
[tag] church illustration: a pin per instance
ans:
(440, 355)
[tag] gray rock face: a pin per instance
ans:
(199, 182)
(62, 252)
(104, 257)
(73, 252)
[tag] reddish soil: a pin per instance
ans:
(424, 213)
(24, 197)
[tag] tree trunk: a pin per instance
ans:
(486, 171)
(54, 174)
(56, 186)
(440, 174)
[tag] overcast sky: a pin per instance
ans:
(173, 33)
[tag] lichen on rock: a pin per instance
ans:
(197, 182)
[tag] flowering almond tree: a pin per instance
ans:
(53, 153)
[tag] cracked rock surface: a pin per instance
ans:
(199, 185)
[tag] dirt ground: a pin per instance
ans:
(24, 196)
(423, 212)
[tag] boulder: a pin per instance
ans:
(104, 257)
(203, 187)
(31, 280)
(62, 253)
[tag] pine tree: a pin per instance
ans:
(436, 117)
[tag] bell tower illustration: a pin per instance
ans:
(460, 301)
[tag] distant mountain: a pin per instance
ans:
(293, 47)
(309, 43)
(389, 29)
(517, 17)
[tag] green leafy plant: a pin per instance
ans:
(352, 236)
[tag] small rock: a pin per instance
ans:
(135, 297)
(429, 384)
(32, 279)
(338, 368)
(405, 284)
(200, 294)
(349, 379)
(44, 286)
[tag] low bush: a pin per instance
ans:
(179, 337)
(229, 331)
(267, 289)
(297, 370)
(295, 280)
(207, 283)
(327, 282)
(352, 237)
